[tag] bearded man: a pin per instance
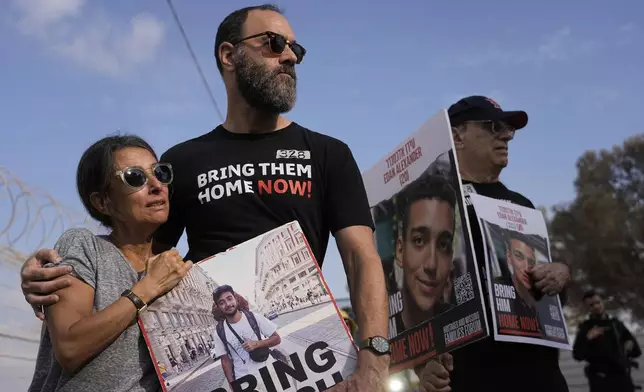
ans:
(237, 335)
(259, 170)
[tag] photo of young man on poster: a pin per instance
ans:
(424, 250)
(243, 338)
(517, 243)
(513, 254)
(521, 256)
(421, 232)
(423, 239)
(417, 229)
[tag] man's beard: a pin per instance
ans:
(268, 91)
(230, 312)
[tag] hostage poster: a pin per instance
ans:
(423, 238)
(516, 239)
(258, 317)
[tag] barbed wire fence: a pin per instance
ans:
(30, 219)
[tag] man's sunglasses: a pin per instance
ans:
(136, 177)
(277, 43)
(495, 127)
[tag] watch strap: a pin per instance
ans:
(368, 343)
(138, 302)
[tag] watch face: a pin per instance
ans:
(380, 344)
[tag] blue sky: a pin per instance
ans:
(74, 71)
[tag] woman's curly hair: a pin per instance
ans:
(241, 304)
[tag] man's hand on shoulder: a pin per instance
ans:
(39, 283)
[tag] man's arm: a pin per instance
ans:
(269, 342)
(580, 346)
(348, 215)
(227, 365)
(366, 280)
(631, 347)
(267, 328)
(583, 348)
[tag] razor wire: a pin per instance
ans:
(31, 218)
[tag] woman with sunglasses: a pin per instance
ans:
(90, 340)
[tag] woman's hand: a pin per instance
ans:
(164, 272)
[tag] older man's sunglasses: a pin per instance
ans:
(136, 177)
(495, 127)
(277, 43)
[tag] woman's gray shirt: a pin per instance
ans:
(123, 366)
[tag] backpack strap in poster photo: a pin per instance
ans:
(260, 354)
(257, 355)
(275, 352)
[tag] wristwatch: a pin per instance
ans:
(377, 344)
(138, 302)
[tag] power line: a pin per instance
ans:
(194, 59)
(17, 337)
(18, 357)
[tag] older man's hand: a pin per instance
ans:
(550, 278)
(434, 376)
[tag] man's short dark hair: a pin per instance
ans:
(221, 290)
(95, 170)
(426, 188)
(230, 29)
(510, 235)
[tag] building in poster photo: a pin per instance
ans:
(286, 273)
(180, 325)
(266, 292)
(517, 239)
(422, 236)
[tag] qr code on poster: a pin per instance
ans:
(463, 288)
(554, 313)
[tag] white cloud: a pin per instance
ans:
(627, 34)
(555, 46)
(627, 27)
(559, 45)
(89, 38)
(39, 15)
(593, 97)
(602, 98)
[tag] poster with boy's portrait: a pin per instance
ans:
(422, 237)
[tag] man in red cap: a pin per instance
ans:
(482, 132)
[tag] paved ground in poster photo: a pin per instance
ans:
(295, 328)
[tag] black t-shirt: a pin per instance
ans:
(229, 188)
(488, 365)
